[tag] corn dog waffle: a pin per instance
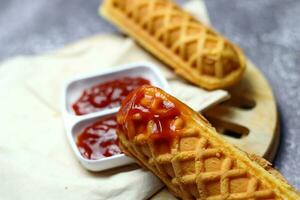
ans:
(185, 152)
(193, 50)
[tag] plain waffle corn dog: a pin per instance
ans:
(193, 50)
(185, 152)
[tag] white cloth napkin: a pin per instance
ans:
(36, 161)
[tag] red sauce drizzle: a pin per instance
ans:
(99, 139)
(106, 95)
(163, 130)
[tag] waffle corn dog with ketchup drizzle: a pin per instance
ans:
(180, 147)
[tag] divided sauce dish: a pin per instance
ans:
(75, 123)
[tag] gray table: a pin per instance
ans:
(268, 31)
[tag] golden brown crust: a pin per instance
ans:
(200, 164)
(193, 50)
(267, 166)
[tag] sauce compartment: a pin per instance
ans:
(76, 87)
(76, 124)
(106, 95)
(98, 164)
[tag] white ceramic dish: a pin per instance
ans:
(76, 123)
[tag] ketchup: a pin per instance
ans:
(99, 139)
(106, 95)
(146, 105)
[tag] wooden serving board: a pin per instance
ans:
(249, 118)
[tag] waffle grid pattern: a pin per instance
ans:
(202, 50)
(214, 185)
